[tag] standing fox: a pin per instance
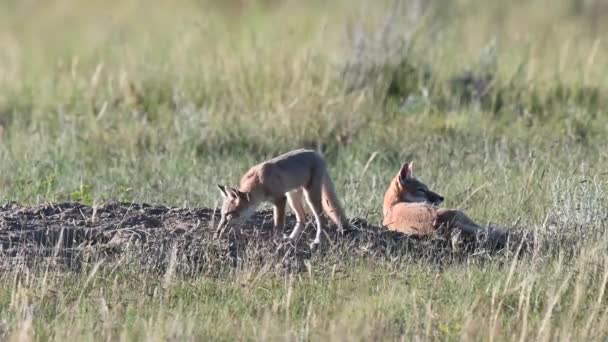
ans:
(298, 176)
(411, 208)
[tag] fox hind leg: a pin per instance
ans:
(314, 200)
(296, 202)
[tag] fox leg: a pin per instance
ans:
(296, 202)
(279, 213)
(314, 200)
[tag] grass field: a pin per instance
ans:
(502, 106)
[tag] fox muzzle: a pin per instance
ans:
(435, 198)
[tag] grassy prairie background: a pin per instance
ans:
(501, 105)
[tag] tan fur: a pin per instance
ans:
(420, 217)
(331, 203)
(297, 177)
(408, 204)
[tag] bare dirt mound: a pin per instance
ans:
(156, 238)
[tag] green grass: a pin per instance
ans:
(218, 88)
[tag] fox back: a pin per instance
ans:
(283, 173)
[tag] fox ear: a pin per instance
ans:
(232, 192)
(228, 191)
(411, 169)
(404, 173)
(222, 190)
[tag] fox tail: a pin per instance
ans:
(331, 204)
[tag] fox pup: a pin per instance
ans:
(411, 208)
(297, 177)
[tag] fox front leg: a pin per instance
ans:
(220, 228)
(279, 214)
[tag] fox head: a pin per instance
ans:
(411, 189)
(236, 207)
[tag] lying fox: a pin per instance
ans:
(299, 177)
(411, 208)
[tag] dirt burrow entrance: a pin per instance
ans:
(155, 237)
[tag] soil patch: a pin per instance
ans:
(159, 238)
